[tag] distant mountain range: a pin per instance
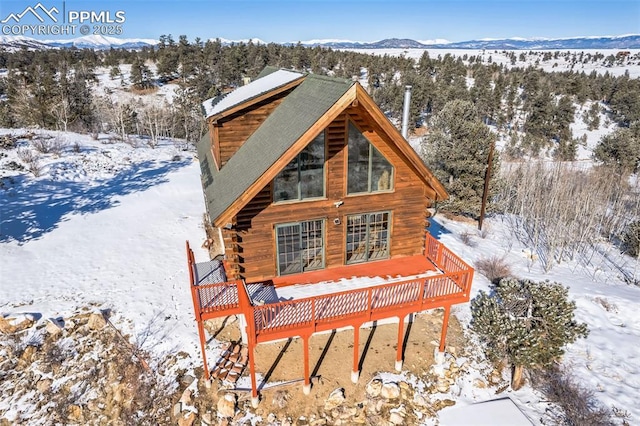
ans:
(97, 42)
(102, 42)
(630, 41)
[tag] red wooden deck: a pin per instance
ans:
(389, 268)
(437, 279)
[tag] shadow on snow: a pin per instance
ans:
(436, 228)
(31, 208)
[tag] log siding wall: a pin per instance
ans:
(231, 132)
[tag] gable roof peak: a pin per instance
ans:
(314, 102)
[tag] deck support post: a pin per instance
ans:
(355, 373)
(398, 364)
(252, 372)
(445, 324)
(202, 347)
(306, 389)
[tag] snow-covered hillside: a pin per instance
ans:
(626, 41)
(104, 225)
(534, 59)
(607, 360)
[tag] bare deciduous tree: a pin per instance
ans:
(563, 210)
(155, 122)
(61, 110)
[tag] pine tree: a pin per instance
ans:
(81, 99)
(631, 239)
(481, 92)
(566, 150)
(594, 112)
(300, 57)
(625, 100)
(40, 97)
(187, 57)
(457, 150)
(114, 72)
(525, 323)
(140, 74)
(187, 114)
(563, 116)
(620, 149)
(540, 114)
(167, 65)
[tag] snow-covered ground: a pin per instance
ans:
(104, 225)
(580, 129)
(118, 88)
(531, 58)
(608, 360)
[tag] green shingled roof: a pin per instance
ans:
(266, 71)
(305, 105)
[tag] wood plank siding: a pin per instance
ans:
(251, 246)
(232, 131)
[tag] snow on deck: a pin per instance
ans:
(242, 94)
(329, 287)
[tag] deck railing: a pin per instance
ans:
(210, 297)
(218, 296)
(449, 262)
(319, 312)
(335, 310)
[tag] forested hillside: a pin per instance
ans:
(57, 88)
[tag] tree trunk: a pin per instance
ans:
(517, 381)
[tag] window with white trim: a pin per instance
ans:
(368, 237)
(300, 246)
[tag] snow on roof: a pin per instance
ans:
(257, 87)
(497, 412)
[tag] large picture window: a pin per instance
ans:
(300, 246)
(368, 171)
(367, 237)
(304, 176)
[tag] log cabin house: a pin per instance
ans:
(305, 181)
(304, 172)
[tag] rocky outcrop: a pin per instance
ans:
(76, 370)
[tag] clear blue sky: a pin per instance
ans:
(366, 20)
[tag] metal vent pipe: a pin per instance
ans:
(405, 111)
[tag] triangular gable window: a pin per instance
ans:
(369, 171)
